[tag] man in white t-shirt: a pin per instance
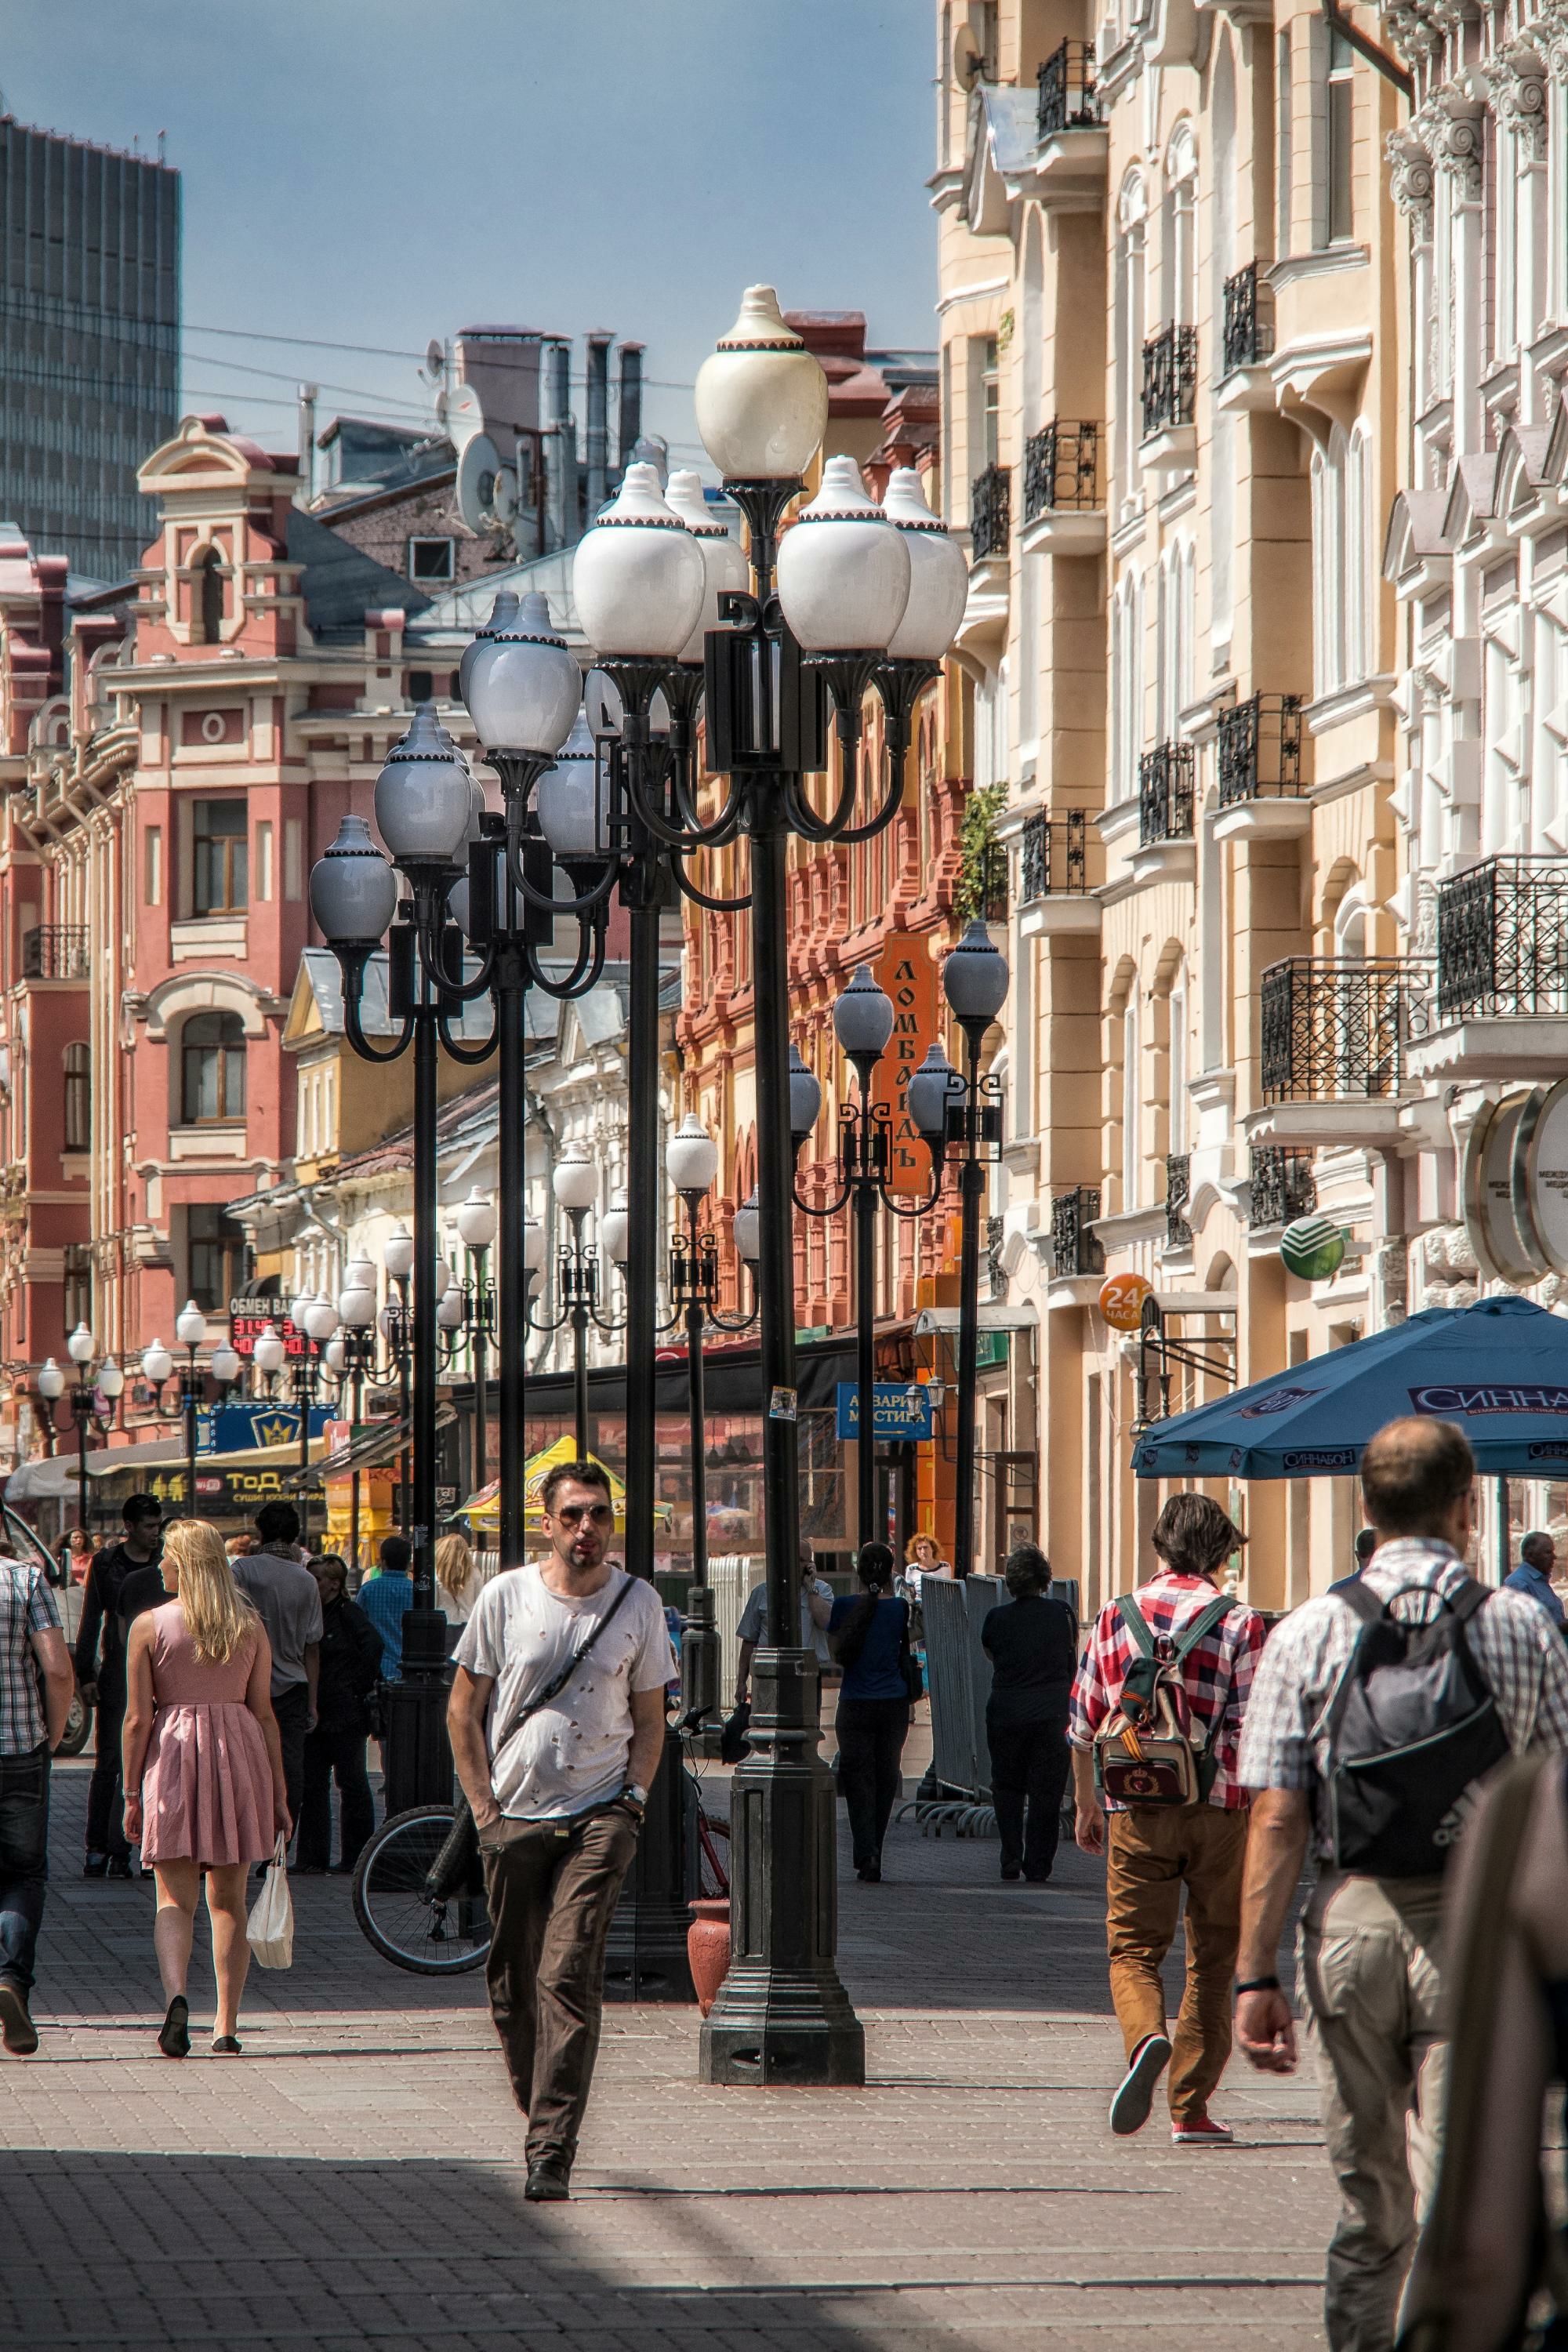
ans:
(558, 1801)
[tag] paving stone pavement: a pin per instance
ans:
(356, 2180)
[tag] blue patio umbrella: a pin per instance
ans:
(1499, 1368)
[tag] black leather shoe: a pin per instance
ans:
(547, 2184)
(17, 2028)
(95, 1866)
(119, 1865)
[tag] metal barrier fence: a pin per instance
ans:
(958, 1682)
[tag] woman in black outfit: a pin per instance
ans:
(1031, 1642)
(869, 1636)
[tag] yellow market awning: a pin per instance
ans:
(482, 1509)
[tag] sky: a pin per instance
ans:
(380, 172)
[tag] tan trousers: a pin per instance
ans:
(1151, 1852)
(1370, 1964)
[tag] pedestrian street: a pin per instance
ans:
(355, 2180)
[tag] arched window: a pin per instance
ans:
(78, 1061)
(212, 1059)
(207, 596)
(1131, 329)
(1181, 230)
(1132, 1106)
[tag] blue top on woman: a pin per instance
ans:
(876, 1673)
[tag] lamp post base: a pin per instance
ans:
(782, 2015)
(646, 1958)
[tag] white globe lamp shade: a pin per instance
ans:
(268, 1352)
(449, 1309)
(761, 397)
(335, 1355)
(225, 1366)
(52, 1381)
(398, 1253)
(422, 794)
(928, 1094)
(523, 684)
(843, 568)
(157, 1364)
(503, 613)
(574, 1179)
(111, 1378)
(477, 1221)
(353, 891)
(638, 577)
(356, 1307)
(190, 1325)
(939, 576)
(532, 1245)
(80, 1345)
(747, 1228)
(975, 977)
(359, 1274)
(863, 1017)
(723, 558)
(298, 1307)
(570, 800)
(320, 1319)
(804, 1096)
(692, 1156)
(615, 1231)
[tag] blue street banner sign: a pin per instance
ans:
(900, 1412)
(236, 1428)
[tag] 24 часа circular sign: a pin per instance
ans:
(1313, 1248)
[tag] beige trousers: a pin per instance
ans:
(1370, 1977)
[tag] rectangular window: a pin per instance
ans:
(1341, 130)
(293, 857)
(990, 399)
(218, 861)
(77, 1301)
(432, 558)
(152, 869)
(264, 861)
(78, 1100)
(1282, 145)
(217, 1249)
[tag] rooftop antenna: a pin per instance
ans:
(162, 136)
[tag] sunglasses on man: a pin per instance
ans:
(569, 1515)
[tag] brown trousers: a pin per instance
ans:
(1151, 1852)
(551, 1890)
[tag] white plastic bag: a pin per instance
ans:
(269, 1930)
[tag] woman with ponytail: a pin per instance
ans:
(869, 1636)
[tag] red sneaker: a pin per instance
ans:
(1201, 2131)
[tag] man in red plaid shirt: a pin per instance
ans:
(1153, 1851)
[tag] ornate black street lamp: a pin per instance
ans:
(574, 1180)
(853, 597)
(109, 1384)
(476, 1230)
(964, 1113)
(158, 1365)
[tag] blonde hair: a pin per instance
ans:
(220, 1617)
(920, 1536)
(456, 1566)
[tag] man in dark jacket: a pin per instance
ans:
(350, 1667)
(100, 1672)
(1033, 1649)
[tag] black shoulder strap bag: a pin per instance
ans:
(456, 1866)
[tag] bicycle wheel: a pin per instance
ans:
(429, 1938)
(79, 1727)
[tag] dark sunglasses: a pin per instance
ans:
(570, 1513)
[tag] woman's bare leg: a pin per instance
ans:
(179, 1884)
(231, 1953)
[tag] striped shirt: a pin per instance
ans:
(1522, 1657)
(27, 1607)
(1217, 1675)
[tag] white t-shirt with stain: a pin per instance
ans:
(572, 1753)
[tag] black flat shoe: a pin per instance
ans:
(174, 2040)
(95, 1866)
(17, 2030)
(119, 1866)
(227, 2046)
(547, 2184)
(871, 1872)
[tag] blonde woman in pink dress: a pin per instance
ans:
(203, 1768)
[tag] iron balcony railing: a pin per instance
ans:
(1170, 379)
(1069, 99)
(1249, 319)
(55, 951)
(1259, 745)
(1165, 794)
(1283, 1185)
(1502, 939)
(1061, 470)
(1074, 1249)
(990, 511)
(1339, 1028)
(1178, 1192)
(1052, 856)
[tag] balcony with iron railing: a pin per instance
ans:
(55, 951)
(1072, 144)
(1053, 874)
(1170, 400)
(1340, 1029)
(1283, 1186)
(1503, 971)
(1178, 1193)
(990, 512)
(1258, 755)
(1165, 794)
(1068, 95)
(1064, 490)
(1074, 1248)
(1247, 342)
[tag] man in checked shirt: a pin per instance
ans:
(1153, 1851)
(1370, 1951)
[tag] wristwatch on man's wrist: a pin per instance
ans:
(632, 1795)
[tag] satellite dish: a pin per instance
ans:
(461, 414)
(487, 489)
(435, 361)
(969, 58)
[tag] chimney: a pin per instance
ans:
(598, 445)
(308, 393)
(630, 402)
(560, 449)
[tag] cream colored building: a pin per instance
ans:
(1172, 371)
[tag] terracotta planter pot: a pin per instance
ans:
(707, 1947)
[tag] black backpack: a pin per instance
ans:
(1411, 1726)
